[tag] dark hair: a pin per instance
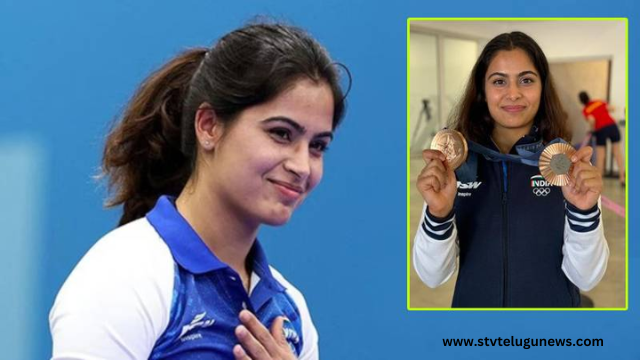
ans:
(584, 97)
(472, 117)
(152, 150)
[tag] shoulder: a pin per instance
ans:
(117, 300)
(291, 290)
(131, 252)
(136, 244)
(125, 257)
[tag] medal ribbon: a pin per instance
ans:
(528, 154)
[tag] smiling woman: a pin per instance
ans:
(513, 96)
(522, 242)
(283, 162)
(214, 144)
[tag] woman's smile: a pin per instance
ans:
(291, 193)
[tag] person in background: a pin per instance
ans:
(214, 144)
(603, 127)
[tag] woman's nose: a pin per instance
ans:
(513, 92)
(298, 162)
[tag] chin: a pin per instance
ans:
(277, 221)
(278, 217)
(513, 123)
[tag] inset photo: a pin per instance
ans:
(516, 155)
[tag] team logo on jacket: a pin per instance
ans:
(198, 322)
(472, 185)
(540, 186)
(291, 335)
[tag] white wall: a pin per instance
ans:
(424, 85)
(439, 69)
(459, 56)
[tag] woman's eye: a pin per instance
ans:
(527, 81)
(499, 82)
(319, 146)
(280, 134)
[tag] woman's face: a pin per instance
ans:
(271, 157)
(513, 88)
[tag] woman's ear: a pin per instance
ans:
(208, 127)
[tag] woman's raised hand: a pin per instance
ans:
(258, 343)
(585, 184)
(437, 183)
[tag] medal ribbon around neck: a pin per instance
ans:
(553, 160)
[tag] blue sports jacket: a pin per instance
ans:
(511, 230)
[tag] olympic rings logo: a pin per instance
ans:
(541, 191)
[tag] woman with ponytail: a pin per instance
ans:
(214, 144)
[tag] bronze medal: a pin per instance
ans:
(453, 145)
(555, 163)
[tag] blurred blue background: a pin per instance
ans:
(68, 68)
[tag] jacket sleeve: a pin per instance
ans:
(585, 248)
(116, 302)
(435, 249)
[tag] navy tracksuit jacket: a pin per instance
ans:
(511, 231)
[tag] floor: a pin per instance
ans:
(609, 293)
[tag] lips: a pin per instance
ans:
(287, 190)
(513, 108)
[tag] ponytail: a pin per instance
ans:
(143, 155)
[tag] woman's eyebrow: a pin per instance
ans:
(497, 74)
(526, 72)
(299, 128)
(328, 134)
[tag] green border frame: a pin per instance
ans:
(626, 159)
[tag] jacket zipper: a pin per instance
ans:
(505, 240)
